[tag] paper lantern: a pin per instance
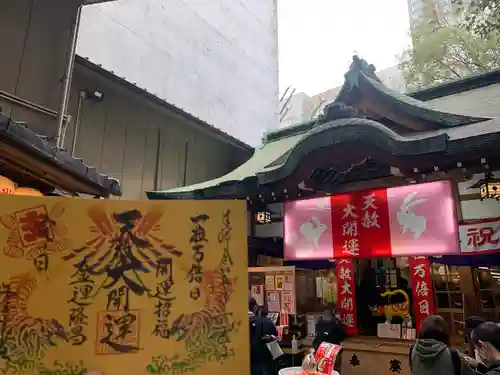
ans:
(28, 191)
(7, 186)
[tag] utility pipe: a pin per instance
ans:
(79, 111)
(68, 74)
(27, 104)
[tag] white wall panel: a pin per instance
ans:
(216, 59)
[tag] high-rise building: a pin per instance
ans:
(438, 11)
(217, 59)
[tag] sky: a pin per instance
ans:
(317, 39)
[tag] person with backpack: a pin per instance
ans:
(432, 355)
(262, 331)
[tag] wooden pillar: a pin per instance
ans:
(467, 284)
(468, 289)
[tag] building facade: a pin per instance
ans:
(128, 134)
(217, 60)
(371, 138)
(36, 47)
(36, 39)
(141, 140)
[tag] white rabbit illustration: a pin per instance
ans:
(312, 231)
(408, 220)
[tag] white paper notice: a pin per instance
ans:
(273, 302)
(319, 287)
(311, 325)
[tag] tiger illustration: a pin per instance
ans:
(391, 310)
(25, 338)
(205, 332)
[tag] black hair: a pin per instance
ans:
(487, 332)
(473, 322)
(252, 302)
(434, 327)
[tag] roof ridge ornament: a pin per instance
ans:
(334, 111)
(358, 66)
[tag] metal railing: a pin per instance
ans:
(37, 108)
(11, 98)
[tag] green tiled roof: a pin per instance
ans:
(264, 158)
(418, 109)
(280, 145)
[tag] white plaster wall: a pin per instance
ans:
(480, 210)
(475, 209)
(217, 59)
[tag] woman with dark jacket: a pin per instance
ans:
(432, 355)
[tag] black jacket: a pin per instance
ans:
(493, 368)
(329, 331)
(260, 326)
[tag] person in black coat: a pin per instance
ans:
(262, 331)
(471, 323)
(331, 330)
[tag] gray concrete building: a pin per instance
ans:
(141, 140)
(217, 60)
(35, 40)
(128, 133)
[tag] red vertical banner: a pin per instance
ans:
(346, 295)
(360, 225)
(374, 228)
(421, 287)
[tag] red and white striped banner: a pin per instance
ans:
(407, 220)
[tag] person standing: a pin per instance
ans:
(432, 355)
(486, 341)
(471, 323)
(262, 331)
(331, 330)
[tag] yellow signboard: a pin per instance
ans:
(123, 287)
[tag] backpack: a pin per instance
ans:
(455, 360)
(255, 329)
(256, 332)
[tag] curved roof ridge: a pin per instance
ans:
(420, 109)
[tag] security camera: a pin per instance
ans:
(94, 95)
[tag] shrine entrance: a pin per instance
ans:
(374, 277)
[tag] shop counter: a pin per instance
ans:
(366, 355)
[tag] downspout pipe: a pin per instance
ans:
(68, 74)
(79, 110)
